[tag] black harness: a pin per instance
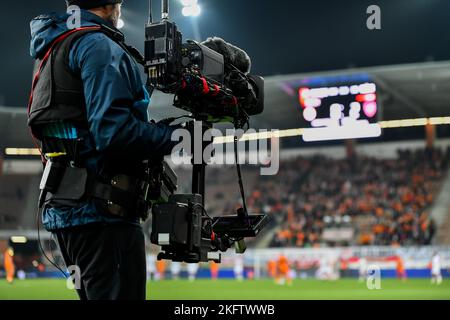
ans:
(57, 96)
(57, 92)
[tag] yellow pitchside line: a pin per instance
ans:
(387, 124)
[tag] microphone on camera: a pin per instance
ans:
(231, 54)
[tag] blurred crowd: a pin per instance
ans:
(389, 198)
(383, 202)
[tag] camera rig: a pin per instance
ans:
(210, 80)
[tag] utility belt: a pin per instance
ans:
(63, 184)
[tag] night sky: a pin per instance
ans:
(282, 36)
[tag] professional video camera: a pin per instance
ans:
(211, 80)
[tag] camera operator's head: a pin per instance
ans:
(110, 10)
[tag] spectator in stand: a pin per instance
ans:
(387, 200)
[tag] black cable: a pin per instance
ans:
(150, 12)
(52, 237)
(203, 228)
(40, 245)
(238, 167)
(203, 209)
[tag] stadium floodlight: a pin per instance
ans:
(22, 152)
(188, 3)
(192, 11)
(191, 8)
(120, 24)
(19, 239)
(186, 11)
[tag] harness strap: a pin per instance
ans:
(47, 55)
(68, 185)
(118, 196)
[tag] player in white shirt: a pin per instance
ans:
(326, 270)
(175, 268)
(192, 269)
(362, 269)
(436, 276)
(151, 266)
(238, 269)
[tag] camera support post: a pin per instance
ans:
(242, 219)
(199, 169)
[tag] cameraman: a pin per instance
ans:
(88, 108)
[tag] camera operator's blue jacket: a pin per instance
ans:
(119, 133)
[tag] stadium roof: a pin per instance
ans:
(408, 91)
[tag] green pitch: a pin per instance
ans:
(250, 289)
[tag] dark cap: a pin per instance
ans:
(89, 4)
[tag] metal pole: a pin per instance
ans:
(165, 9)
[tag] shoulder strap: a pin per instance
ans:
(61, 94)
(39, 66)
(49, 52)
(68, 86)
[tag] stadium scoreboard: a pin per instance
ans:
(340, 112)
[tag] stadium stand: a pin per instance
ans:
(314, 200)
(443, 237)
(317, 200)
(385, 202)
(14, 199)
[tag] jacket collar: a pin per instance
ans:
(88, 16)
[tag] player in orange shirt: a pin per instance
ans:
(272, 269)
(9, 265)
(283, 271)
(400, 269)
(214, 268)
(160, 269)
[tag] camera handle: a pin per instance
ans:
(198, 170)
